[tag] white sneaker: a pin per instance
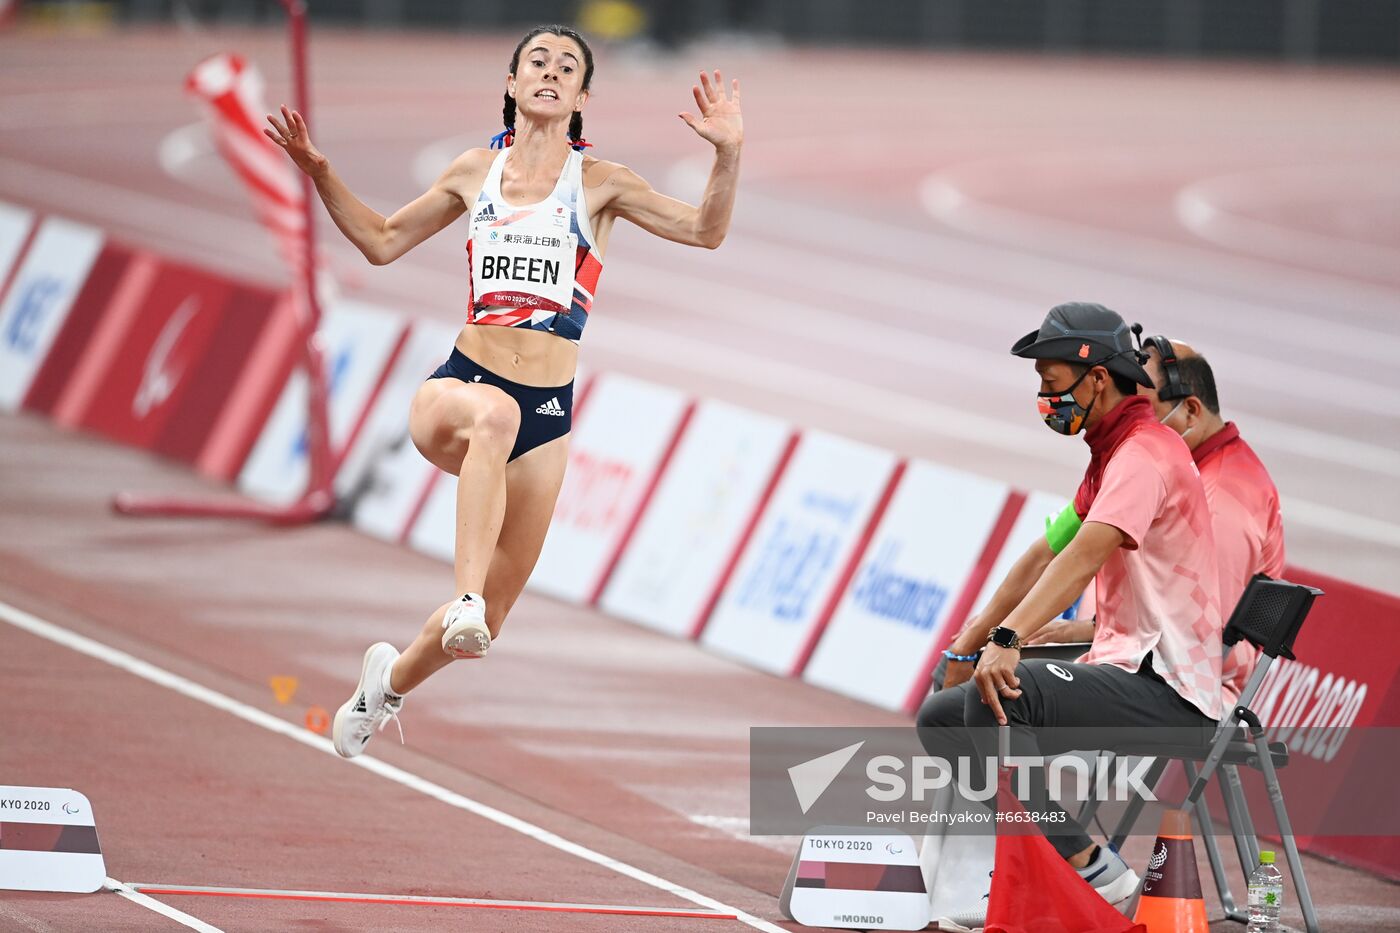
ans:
(1109, 875)
(369, 707)
(464, 631)
(966, 921)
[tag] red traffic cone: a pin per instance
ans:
(1171, 899)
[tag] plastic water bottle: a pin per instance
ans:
(1265, 896)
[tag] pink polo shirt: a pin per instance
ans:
(1248, 527)
(1160, 591)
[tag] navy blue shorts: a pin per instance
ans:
(545, 414)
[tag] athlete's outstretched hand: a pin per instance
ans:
(290, 133)
(720, 121)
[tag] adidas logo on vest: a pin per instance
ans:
(551, 407)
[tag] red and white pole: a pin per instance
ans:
(232, 90)
(320, 494)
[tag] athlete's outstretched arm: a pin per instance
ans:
(381, 239)
(722, 125)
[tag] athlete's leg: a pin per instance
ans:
(533, 482)
(468, 429)
(532, 486)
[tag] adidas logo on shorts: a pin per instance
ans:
(551, 407)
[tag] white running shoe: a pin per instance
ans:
(369, 707)
(967, 921)
(464, 631)
(1108, 874)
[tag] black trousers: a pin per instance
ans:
(1062, 707)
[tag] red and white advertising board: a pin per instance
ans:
(626, 432)
(1337, 709)
(383, 475)
(897, 605)
(160, 363)
(110, 276)
(38, 299)
(16, 223)
(801, 552)
(358, 341)
(705, 504)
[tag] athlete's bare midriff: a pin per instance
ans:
(529, 357)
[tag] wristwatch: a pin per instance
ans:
(1004, 637)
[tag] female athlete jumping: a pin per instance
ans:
(497, 414)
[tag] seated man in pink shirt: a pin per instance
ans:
(1243, 500)
(1244, 503)
(1145, 536)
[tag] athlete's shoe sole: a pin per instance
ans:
(1120, 888)
(466, 638)
(346, 708)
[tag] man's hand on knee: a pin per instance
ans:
(996, 678)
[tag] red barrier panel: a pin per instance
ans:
(157, 359)
(65, 354)
(245, 320)
(1323, 706)
(1343, 683)
(150, 353)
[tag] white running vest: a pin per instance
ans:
(533, 265)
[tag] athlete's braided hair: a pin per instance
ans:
(575, 122)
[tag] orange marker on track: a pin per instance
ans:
(318, 720)
(283, 688)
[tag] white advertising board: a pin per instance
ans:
(623, 432)
(773, 604)
(356, 340)
(383, 474)
(697, 518)
(898, 602)
(39, 299)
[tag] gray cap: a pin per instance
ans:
(1081, 332)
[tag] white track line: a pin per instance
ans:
(1213, 209)
(418, 900)
(186, 687)
(165, 910)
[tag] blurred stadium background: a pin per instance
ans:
(1292, 30)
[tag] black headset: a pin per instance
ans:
(1171, 371)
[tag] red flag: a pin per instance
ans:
(1034, 890)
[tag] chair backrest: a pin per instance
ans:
(1270, 614)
